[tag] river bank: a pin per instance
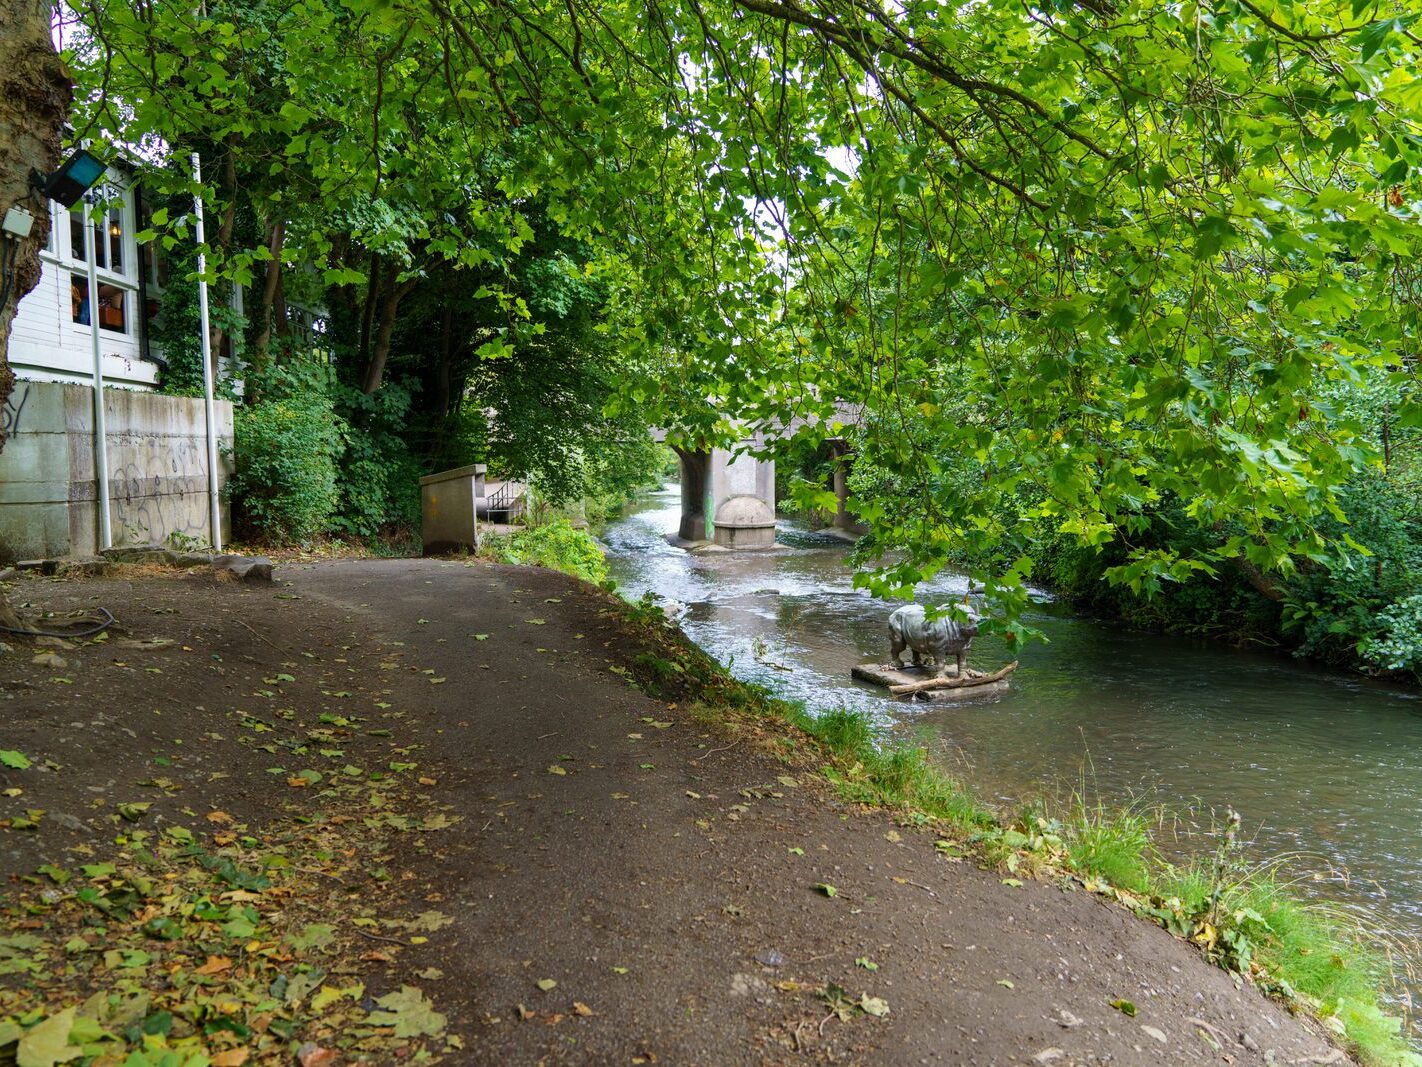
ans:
(1323, 765)
(526, 855)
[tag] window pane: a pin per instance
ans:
(113, 304)
(115, 239)
(113, 308)
(76, 235)
(79, 297)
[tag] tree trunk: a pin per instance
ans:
(435, 445)
(275, 236)
(35, 91)
(367, 310)
(953, 682)
(375, 369)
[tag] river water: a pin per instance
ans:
(1324, 767)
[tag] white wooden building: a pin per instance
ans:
(156, 459)
(50, 339)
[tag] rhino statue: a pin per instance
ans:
(940, 638)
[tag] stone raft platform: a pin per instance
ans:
(883, 674)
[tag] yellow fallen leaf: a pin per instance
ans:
(579, 1008)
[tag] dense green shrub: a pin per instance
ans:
(556, 544)
(315, 456)
(380, 477)
(286, 448)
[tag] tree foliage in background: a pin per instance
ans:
(1123, 257)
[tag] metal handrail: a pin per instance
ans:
(505, 497)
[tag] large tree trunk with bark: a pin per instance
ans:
(35, 92)
(380, 348)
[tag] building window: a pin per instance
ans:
(114, 262)
(113, 303)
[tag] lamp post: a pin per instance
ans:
(101, 446)
(214, 505)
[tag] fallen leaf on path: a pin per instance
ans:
(409, 1012)
(579, 1008)
(214, 965)
(1125, 1007)
(1007, 983)
(430, 921)
(555, 769)
(546, 984)
(826, 889)
(315, 1056)
(48, 1043)
(875, 1006)
(233, 1057)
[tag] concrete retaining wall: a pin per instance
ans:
(157, 469)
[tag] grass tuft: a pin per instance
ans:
(1110, 845)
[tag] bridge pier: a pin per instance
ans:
(842, 459)
(695, 504)
(727, 498)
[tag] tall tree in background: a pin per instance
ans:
(1152, 235)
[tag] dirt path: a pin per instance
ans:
(660, 875)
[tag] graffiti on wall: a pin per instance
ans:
(160, 493)
(14, 410)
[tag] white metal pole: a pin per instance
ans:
(92, 229)
(214, 504)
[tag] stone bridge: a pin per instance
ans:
(728, 496)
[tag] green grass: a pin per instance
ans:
(1112, 845)
(556, 544)
(1327, 959)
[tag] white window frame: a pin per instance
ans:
(73, 261)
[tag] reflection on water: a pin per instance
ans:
(1317, 762)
